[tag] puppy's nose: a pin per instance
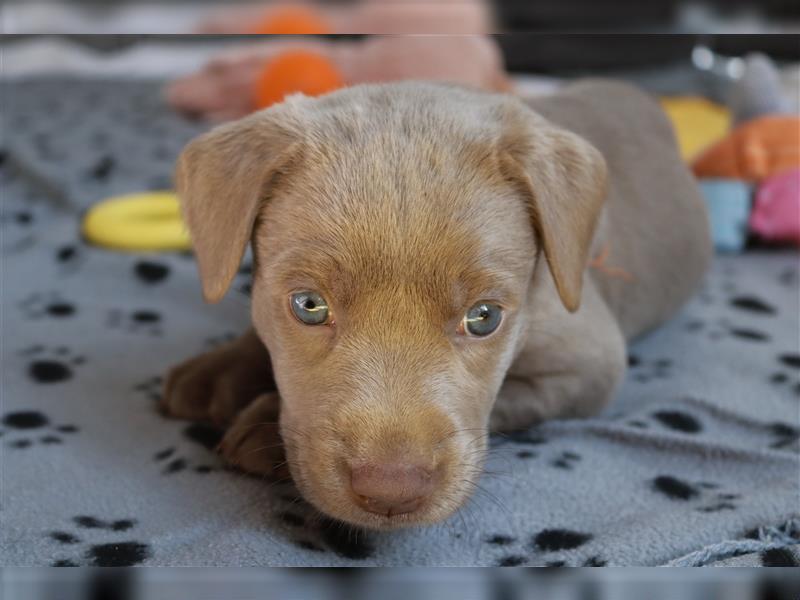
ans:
(391, 488)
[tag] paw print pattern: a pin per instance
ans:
(787, 437)
(783, 378)
(51, 365)
(677, 420)
(47, 305)
(205, 435)
(724, 328)
(152, 388)
(136, 321)
(151, 272)
(753, 305)
(745, 304)
(543, 543)
(703, 493)
(566, 461)
(18, 229)
(69, 258)
(643, 371)
(36, 429)
(524, 441)
(19, 218)
(109, 554)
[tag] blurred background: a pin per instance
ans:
(476, 16)
(398, 584)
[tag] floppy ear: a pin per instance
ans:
(222, 177)
(563, 178)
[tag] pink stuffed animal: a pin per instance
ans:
(776, 214)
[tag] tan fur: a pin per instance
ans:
(403, 205)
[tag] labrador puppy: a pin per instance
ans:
(431, 263)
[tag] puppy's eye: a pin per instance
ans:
(309, 307)
(482, 319)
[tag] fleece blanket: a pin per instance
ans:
(695, 462)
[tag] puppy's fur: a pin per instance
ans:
(403, 205)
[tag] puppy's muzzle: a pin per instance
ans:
(389, 489)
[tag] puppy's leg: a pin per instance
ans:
(570, 367)
(216, 385)
(253, 442)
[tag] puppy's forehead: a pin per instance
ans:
(400, 186)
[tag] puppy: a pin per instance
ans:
(431, 264)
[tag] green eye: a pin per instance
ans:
(309, 307)
(482, 319)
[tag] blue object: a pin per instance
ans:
(728, 202)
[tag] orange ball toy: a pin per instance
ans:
(297, 71)
(292, 21)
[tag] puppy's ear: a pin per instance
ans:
(563, 178)
(222, 178)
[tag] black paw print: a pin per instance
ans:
(526, 439)
(643, 371)
(51, 365)
(47, 305)
(111, 554)
(33, 423)
(69, 258)
(19, 218)
(546, 541)
(724, 328)
(753, 305)
(152, 388)
(103, 168)
(566, 460)
(701, 492)
(781, 378)
(678, 421)
(151, 272)
(136, 321)
(787, 437)
(205, 435)
(22, 235)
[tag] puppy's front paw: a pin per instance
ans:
(253, 442)
(216, 385)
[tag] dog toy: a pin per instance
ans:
(776, 215)
(144, 221)
(296, 71)
(292, 20)
(754, 151)
(728, 202)
(698, 122)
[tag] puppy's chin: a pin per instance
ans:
(326, 486)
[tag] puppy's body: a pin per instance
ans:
(404, 205)
(652, 233)
(655, 223)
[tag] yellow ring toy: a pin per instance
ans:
(144, 221)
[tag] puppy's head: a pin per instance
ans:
(395, 231)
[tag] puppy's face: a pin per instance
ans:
(394, 251)
(389, 300)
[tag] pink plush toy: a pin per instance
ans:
(776, 214)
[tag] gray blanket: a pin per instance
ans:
(696, 462)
